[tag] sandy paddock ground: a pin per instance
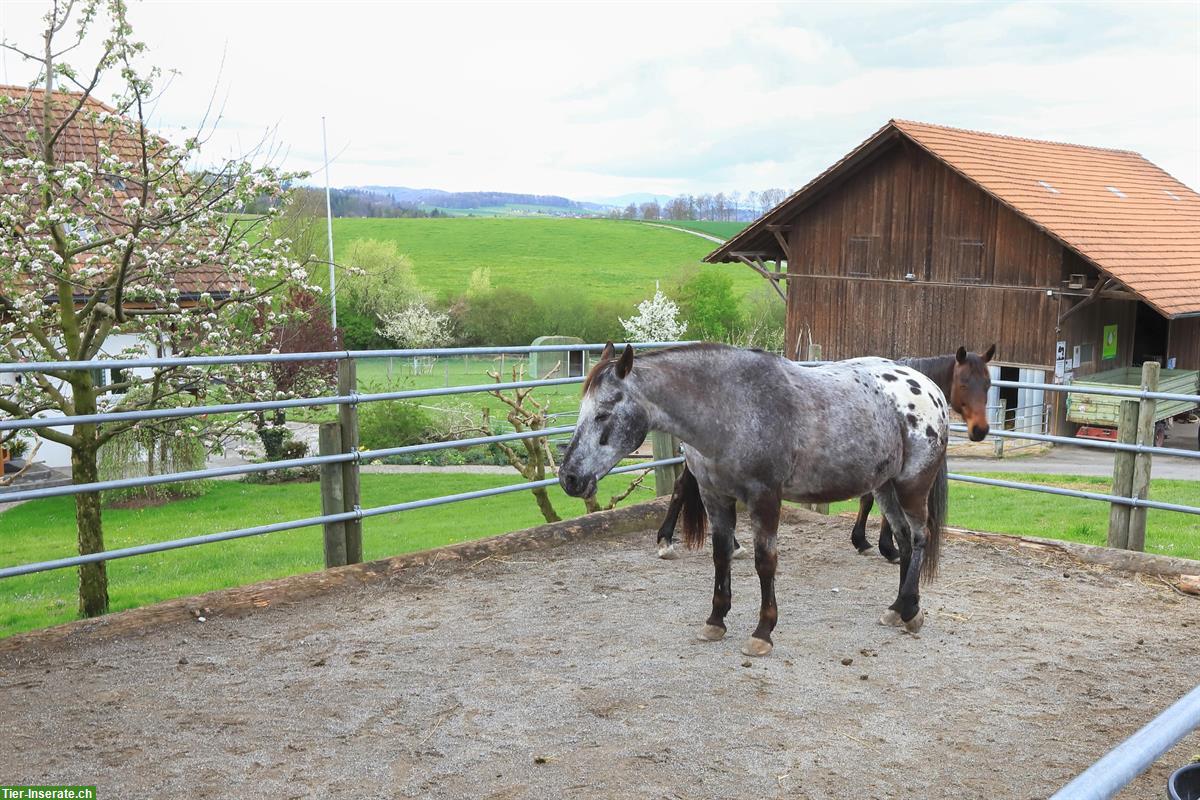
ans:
(574, 671)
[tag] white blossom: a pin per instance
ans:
(657, 320)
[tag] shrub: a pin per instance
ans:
(394, 423)
(359, 330)
(709, 305)
(504, 316)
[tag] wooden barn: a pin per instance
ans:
(925, 237)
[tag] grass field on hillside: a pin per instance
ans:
(600, 259)
(724, 230)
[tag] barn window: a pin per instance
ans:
(858, 256)
(970, 261)
(1087, 352)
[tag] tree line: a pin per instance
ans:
(719, 207)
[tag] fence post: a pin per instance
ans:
(665, 446)
(1000, 420)
(1118, 513)
(348, 422)
(1141, 462)
(330, 440)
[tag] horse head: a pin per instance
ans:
(612, 424)
(969, 390)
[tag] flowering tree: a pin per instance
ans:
(657, 320)
(107, 231)
(416, 325)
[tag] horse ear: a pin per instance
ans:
(991, 351)
(608, 351)
(961, 355)
(626, 362)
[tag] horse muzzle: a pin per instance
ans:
(978, 433)
(577, 485)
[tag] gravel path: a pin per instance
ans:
(574, 672)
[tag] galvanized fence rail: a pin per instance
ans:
(348, 456)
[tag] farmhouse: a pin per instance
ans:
(926, 237)
(21, 111)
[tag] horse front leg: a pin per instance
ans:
(887, 546)
(722, 516)
(764, 515)
(858, 536)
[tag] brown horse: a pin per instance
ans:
(963, 378)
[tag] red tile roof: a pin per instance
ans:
(80, 142)
(1125, 215)
(1116, 209)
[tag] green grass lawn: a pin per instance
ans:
(397, 374)
(602, 259)
(989, 508)
(44, 529)
(724, 230)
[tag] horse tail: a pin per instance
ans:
(934, 521)
(695, 518)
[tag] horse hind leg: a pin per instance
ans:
(722, 516)
(764, 514)
(910, 533)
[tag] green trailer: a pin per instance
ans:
(1104, 410)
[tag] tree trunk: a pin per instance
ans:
(545, 506)
(93, 578)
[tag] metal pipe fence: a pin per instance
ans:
(1102, 780)
(351, 458)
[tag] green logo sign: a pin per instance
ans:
(1110, 342)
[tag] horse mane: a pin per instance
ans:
(939, 369)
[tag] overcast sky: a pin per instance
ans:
(599, 100)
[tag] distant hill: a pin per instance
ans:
(637, 198)
(438, 198)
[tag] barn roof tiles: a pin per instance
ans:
(1125, 215)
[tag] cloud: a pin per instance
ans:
(605, 99)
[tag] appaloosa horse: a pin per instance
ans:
(761, 429)
(964, 380)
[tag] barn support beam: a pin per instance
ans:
(754, 262)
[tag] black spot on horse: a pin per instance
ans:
(902, 372)
(930, 432)
(913, 383)
(915, 389)
(912, 406)
(887, 376)
(912, 419)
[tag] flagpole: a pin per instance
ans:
(329, 228)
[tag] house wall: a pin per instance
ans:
(56, 455)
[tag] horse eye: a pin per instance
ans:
(603, 417)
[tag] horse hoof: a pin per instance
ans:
(757, 647)
(668, 552)
(893, 559)
(862, 551)
(711, 633)
(914, 624)
(741, 552)
(891, 618)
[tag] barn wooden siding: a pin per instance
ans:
(981, 272)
